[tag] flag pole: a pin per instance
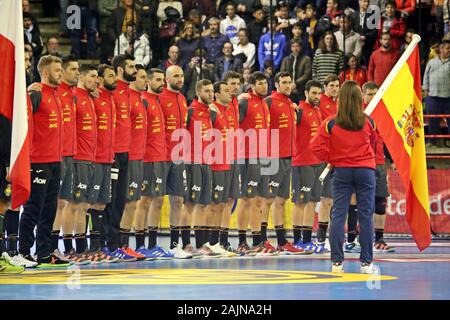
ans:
(387, 82)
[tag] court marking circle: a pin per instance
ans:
(182, 277)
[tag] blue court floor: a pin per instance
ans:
(405, 274)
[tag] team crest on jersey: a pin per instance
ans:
(77, 194)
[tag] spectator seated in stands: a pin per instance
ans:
(436, 88)
(382, 60)
(297, 35)
(328, 58)
(245, 47)
(353, 71)
(87, 30)
(265, 47)
(352, 44)
(231, 24)
(282, 16)
(32, 36)
(134, 44)
(188, 42)
(227, 62)
(368, 34)
(268, 71)
(193, 73)
(206, 8)
(256, 27)
(214, 41)
(173, 60)
(408, 38)
(310, 23)
(298, 65)
(329, 21)
(52, 46)
(245, 8)
(392, 22)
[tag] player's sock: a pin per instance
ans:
(223, 235)
(256, 238)
(242, 236)
(322, 232)
(174, 236)
(379, 233)
(152, 236)
(198, 236)
(12, 228)
(80, 241)
(352, 222)
(140, 238)
(214, 235)
(263, 231)
(297, 230)
(186, 235)
(281, 238)
(54, 240)
(67, 239)
(307, 232)
(207, 234)
(124, 237)
(96, 229)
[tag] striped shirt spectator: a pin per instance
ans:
(328, 58)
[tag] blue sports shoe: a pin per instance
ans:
(352, 247)
(119, 253)
(305, 246)
(148, 254)
(320, 247)
(164, 255)
(160, 254)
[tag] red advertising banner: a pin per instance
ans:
(439, 192)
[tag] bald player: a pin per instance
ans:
(174, 106)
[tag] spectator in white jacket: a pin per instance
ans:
(134, 44)
(232, 24)
(353, 43)
(245, 47)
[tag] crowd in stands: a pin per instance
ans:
(307, 38)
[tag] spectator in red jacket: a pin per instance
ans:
(382, 60)
(353, 71)
(406, 7)
(393, 24)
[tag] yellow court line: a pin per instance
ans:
(183, 277)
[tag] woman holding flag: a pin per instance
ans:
(346, 141)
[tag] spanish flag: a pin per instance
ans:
(398, 113)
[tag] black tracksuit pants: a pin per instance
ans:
(40, 209)
(114, 210)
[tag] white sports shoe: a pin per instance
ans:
(337, 268)
(24, 262)
(367, 268)
(179, 253)
(327, 245)
(7, 257)
(217, 248)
